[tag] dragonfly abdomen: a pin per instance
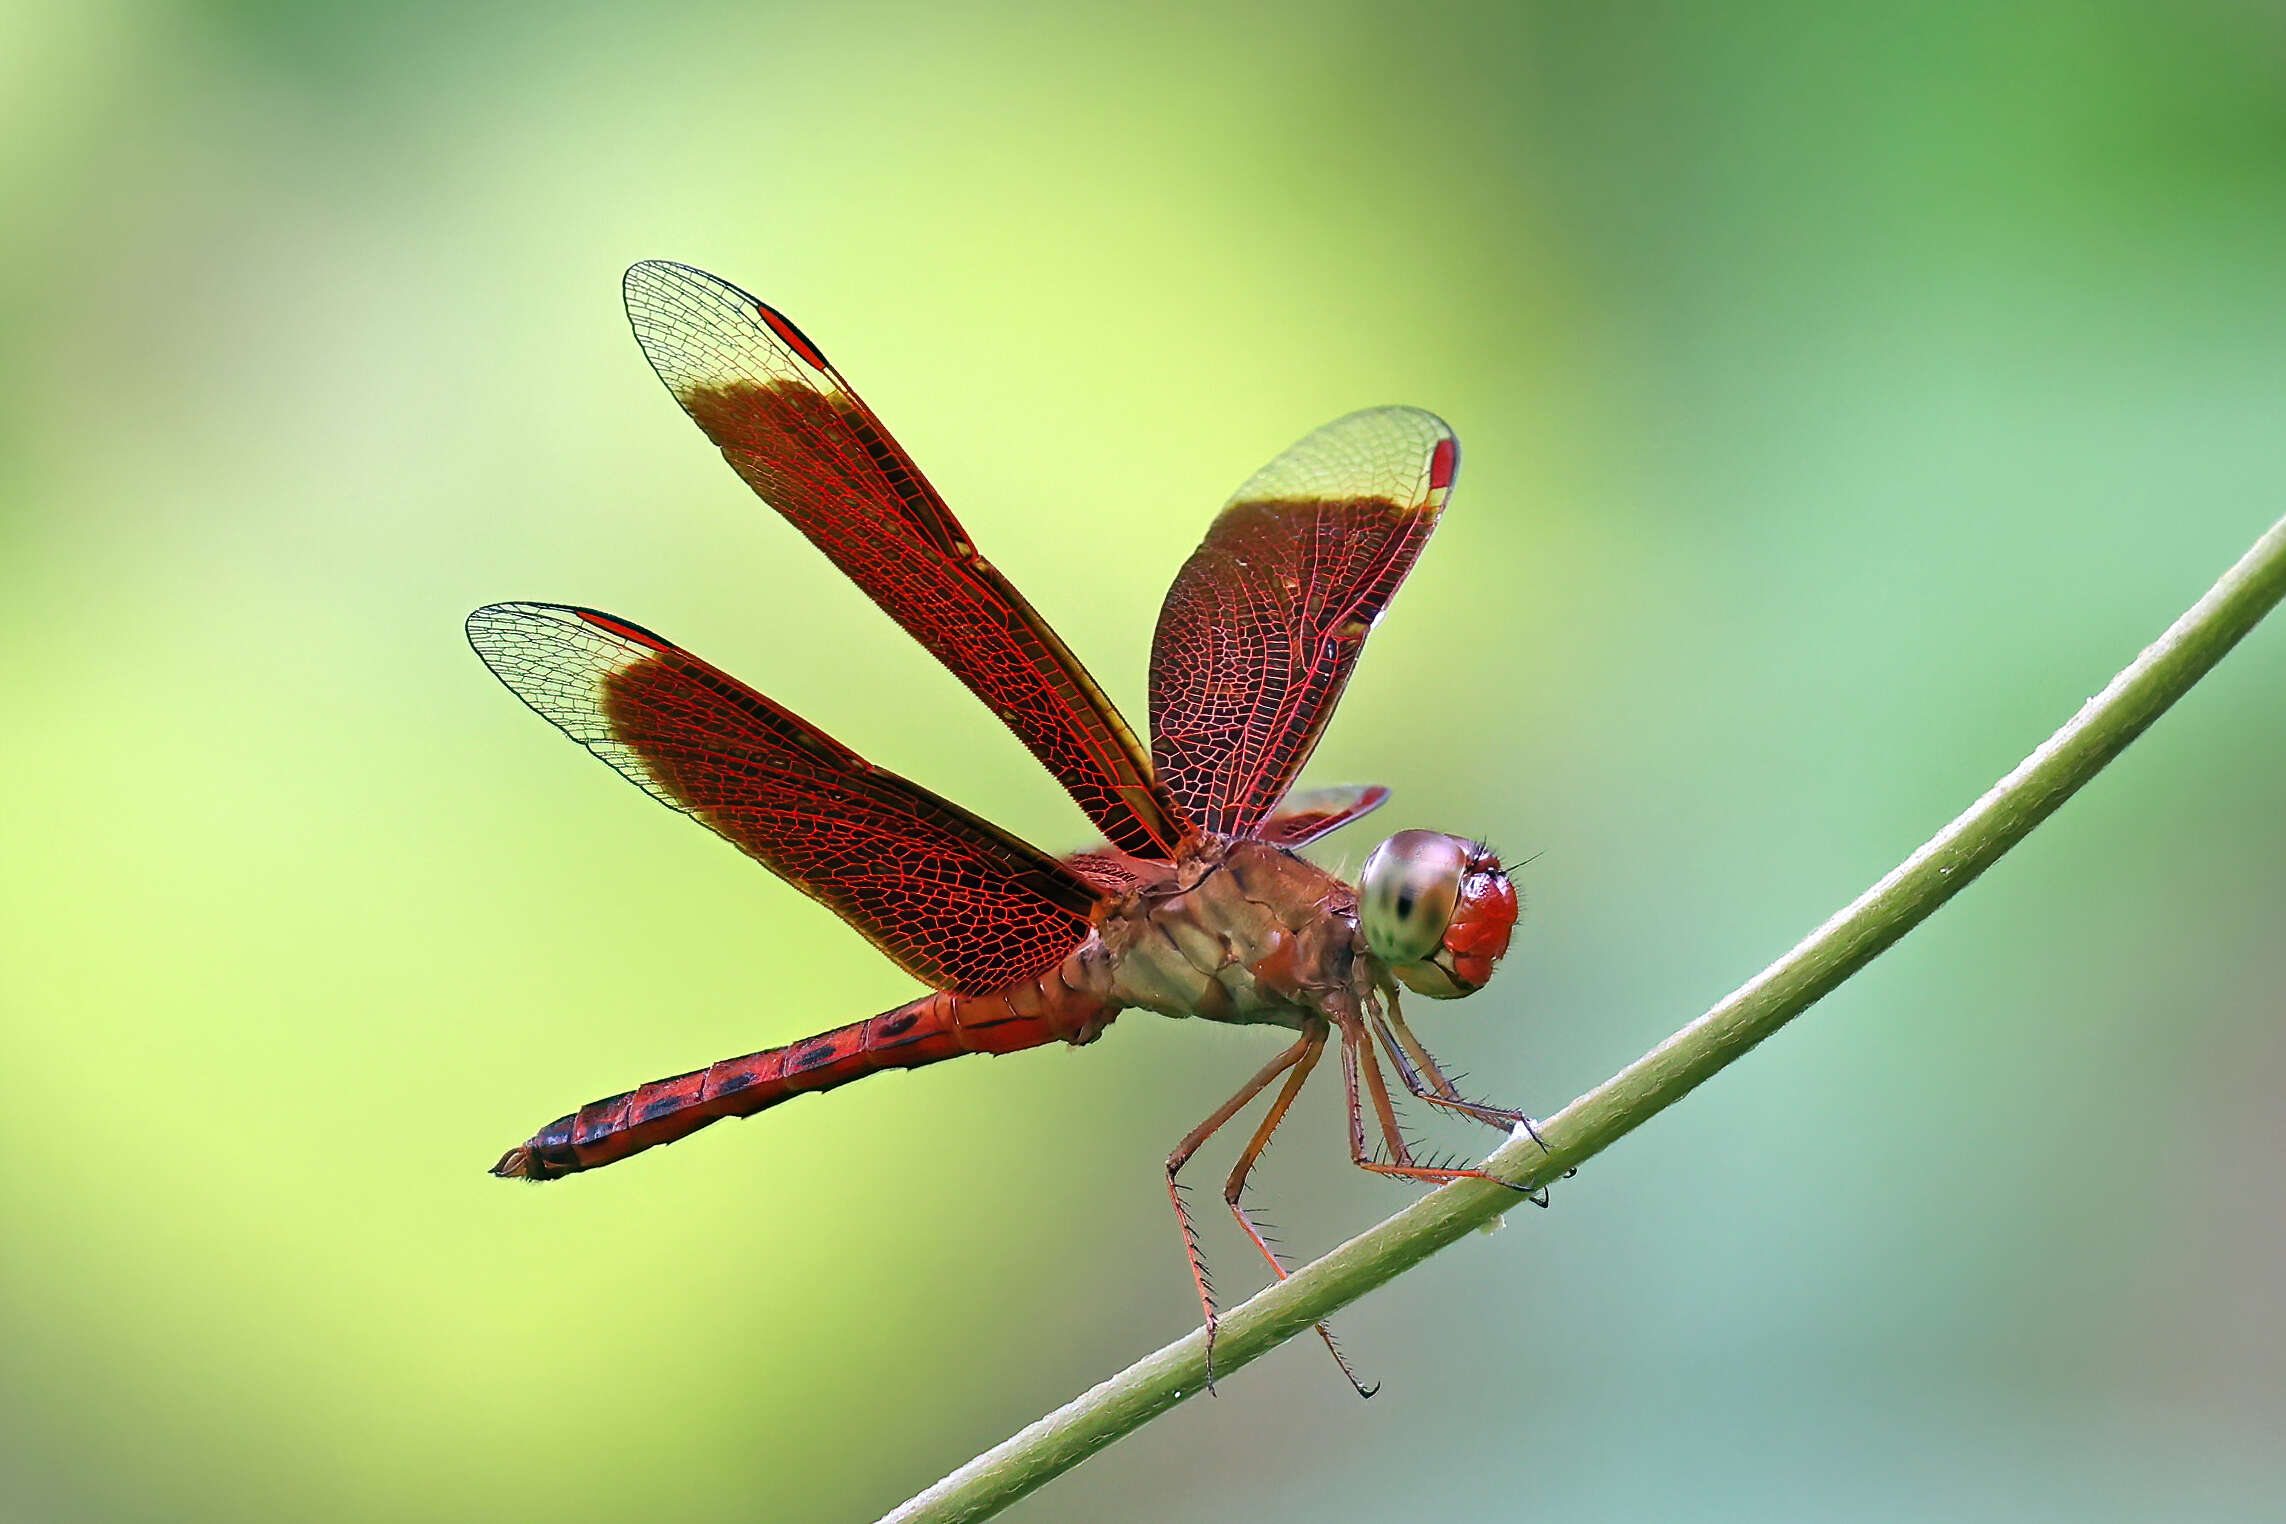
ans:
(925, 1031)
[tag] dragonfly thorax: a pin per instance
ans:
(1241, 931)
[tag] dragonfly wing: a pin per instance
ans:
(804, 441)
(1265, 621)
(1306, 816)
(953, 899)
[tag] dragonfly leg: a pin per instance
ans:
(1235, 1188)
(1191, 1144)
(1357, 1053)
(1415, 1065)
(1406, 1050)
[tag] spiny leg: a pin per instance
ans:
(1235, 1187)
(1356, 1052)
(1494, 1116)
(1406, 1052)
(1190, 1145)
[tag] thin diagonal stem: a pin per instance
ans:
(1904, 897)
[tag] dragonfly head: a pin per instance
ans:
(1438, 910)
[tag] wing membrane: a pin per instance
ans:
(1313, 813)
(952, 899)
(804, 441)
(1265, 621)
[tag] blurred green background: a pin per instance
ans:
(1845, 398)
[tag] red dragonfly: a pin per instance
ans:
(1195, 905)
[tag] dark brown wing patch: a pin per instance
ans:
(953, 899)
(1265, 621)
(796, 432)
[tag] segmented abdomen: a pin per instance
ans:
(926, 1031)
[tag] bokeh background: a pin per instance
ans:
(1845, 398)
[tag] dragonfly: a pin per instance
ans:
(1196, 901)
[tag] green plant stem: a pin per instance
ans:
(1903, 898)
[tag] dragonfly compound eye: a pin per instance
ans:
(1408, 892)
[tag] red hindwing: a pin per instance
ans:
(953, 899)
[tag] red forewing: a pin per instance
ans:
(1306, 816)
(1265, 621)
(951, 898)
(803, 440)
